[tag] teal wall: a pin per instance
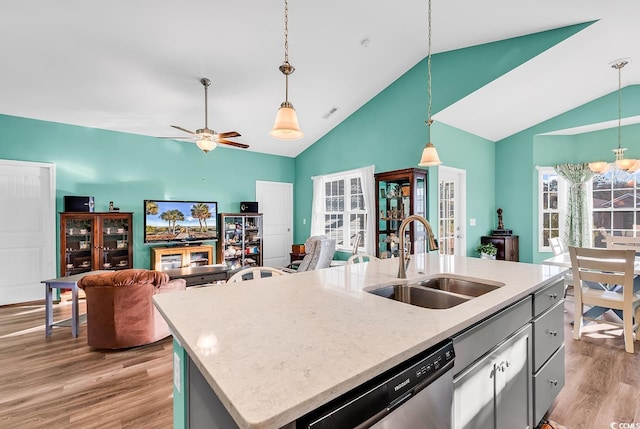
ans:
(518, 155)
(127, 168)
(389, 130)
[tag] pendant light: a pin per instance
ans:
(621, 162)
(286, 126)
(429, 153)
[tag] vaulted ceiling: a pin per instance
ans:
(134, 66)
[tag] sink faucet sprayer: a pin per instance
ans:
(404, 259)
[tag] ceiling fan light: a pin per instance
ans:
(286, 126)
(599, 167)
(635, 167)
(206, 145)
(430, 156)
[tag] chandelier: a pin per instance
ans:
(622, 163)
(429, 153)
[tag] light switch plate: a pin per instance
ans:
(472, 222)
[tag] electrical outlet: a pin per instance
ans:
(472, 222)
(304, 221)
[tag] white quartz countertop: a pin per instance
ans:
(276, 348)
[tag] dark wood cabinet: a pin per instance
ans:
(95, 241)
(240, 243)
(400, 193)
(507, 246)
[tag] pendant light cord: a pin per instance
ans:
(429, 121)
(619, 67)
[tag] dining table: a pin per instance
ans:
(564, 260)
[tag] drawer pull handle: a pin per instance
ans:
(554, 382)
(553, 295)
(554, 333)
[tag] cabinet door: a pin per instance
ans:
(495, 392)
(113, 237)
(512, 382)
(198, 256)
(77, 243)
(473, 396)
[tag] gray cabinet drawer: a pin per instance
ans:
(547, 383)
(547, 297)
(548, 334)
(480, 338)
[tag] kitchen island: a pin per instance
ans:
(274, 349)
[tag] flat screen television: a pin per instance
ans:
(180, 221)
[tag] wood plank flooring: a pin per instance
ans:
(59, 382)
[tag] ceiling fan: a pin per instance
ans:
(207, 139)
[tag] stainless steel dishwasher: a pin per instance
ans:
(416, 394)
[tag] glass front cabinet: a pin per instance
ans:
(400, 193)
(95, 241)
(240, 242)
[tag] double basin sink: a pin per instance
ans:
(438, 292)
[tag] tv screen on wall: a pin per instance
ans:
(180, 221)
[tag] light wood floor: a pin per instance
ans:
(59, 382)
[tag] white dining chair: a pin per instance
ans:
(558, 247)
(254, 273)
(613, 269)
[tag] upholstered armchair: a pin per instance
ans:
(319, 252)
(120, 310)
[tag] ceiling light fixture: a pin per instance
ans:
(622, 163)
(429, 153)
(286, 126)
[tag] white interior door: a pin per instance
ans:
(452, 211)
(275, 202)
(27, 230)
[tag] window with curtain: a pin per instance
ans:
(614, 205)
(340, 208)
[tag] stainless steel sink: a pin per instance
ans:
(420, 296)
(437, 292)
(459, 286)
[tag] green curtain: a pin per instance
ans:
(576, 231)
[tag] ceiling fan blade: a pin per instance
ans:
(228, 135)
(236, 144)
(183, 129)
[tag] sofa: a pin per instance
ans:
(120, 310)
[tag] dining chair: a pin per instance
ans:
(558, 248)
(616, 242)
(613, 269)
(254, 273)
(362, 257)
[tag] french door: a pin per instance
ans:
(452, 211)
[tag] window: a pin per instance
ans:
(615, 205)
(551, 195)
(345, 214)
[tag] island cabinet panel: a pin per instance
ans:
(507, 379)
(495, 392)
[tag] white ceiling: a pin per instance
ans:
(135, 65)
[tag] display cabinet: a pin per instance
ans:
(172, 257)
(240, 239)
(400, 193)
(507, 245)
(95, 241)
